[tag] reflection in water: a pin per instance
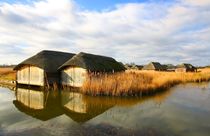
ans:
(74, 102)
(38, 104)
(31, 99)
(183, 111)
(80, 108)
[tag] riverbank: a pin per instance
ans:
(138, 83)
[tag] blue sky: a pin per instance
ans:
(137, 31)
(17, 1)
(93, 4)
(104, 4)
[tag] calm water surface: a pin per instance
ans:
(181, 111)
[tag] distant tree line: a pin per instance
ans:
(5, 65)
(204, 66)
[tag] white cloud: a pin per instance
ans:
(169, 33)
(197, 2)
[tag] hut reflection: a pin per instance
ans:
(74, 102)
(38, 104)
(31, 99)
(81, 109)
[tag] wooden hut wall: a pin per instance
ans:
(30, 98)
(73, 76)
(36, 76)
(30, 75)
(23, 75)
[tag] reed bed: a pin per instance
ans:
(137, 83)
(7, 73)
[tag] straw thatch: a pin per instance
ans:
(94, 63)
(47, 60)
(154, 66)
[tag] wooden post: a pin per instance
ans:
(29, 76)
(46, 80)
(16, 78)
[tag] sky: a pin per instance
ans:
(139, 31)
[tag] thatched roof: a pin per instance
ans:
(94, 63)
(153, 66)
(50, 61)
(186, 65)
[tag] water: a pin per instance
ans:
(181, 111)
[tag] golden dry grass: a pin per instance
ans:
(139, 82)
(5, 70)
(7, 73)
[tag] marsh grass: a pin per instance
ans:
(7, 73)
(137, 83)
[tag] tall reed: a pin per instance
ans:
(138, 83)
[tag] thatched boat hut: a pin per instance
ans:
(155, 66)
(186, 68)
(76, 70)
(42, 68)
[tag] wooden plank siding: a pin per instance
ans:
(30, 75)
(22, 75)
(73, 76)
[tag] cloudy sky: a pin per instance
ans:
(168, 31)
